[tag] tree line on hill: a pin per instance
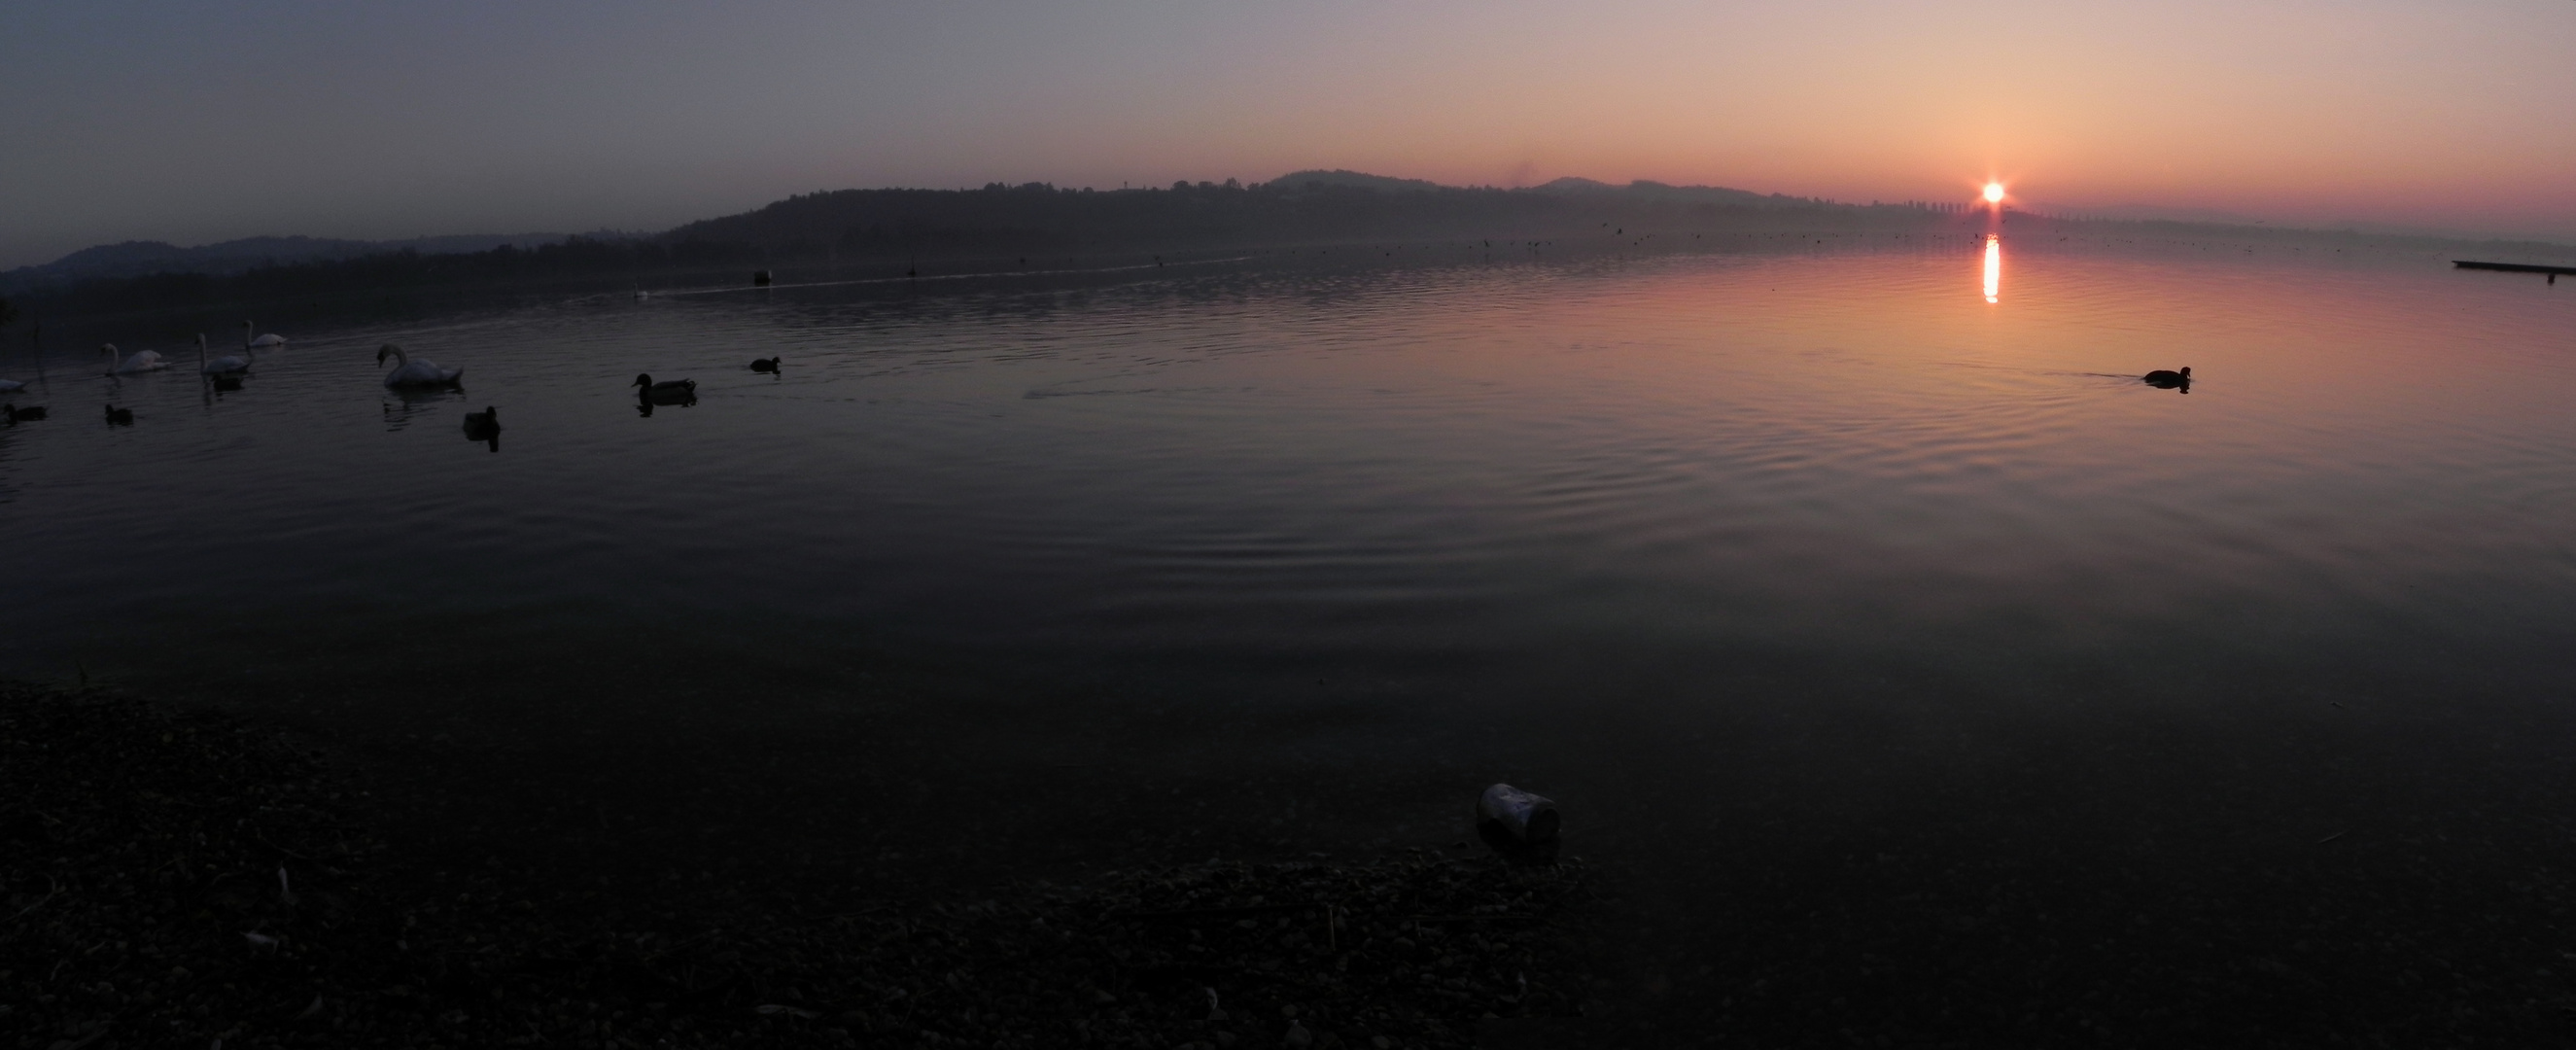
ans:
(917, 230)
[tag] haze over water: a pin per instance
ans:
(1871, 622)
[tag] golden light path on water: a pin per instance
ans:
(1994, 266)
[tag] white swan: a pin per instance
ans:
(11, 386)
(266, 342)
(221, 366)
(142, 361)
(408, 372)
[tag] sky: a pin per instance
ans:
(195, 122)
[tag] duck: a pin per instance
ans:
(484, 426)
(266, 342)
(672, 392)
(119, 417)
(229, 364)
(142, 361)
(408, 372)
(15, 413)
(2165, 379)
(765, 364)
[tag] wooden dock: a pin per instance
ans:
(2552, 271)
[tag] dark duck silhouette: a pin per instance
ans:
(2163, 379)
(120, 417)
(671, 392)
(15, 413)
(765, 364)
(484, 426)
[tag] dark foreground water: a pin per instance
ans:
(1918, 673)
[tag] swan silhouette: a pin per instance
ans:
(765, 364)
(2163, 379)
(16, 413)
(142, 361)
(229, 364)
(671, 392)
(266, 342)
(120, 417)
(408, 372)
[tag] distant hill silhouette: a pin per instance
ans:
(896, 232)
(1311, 206)
(1355, 179)
(136, 258)
(1304, 207)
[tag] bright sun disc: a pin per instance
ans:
(1994, 193)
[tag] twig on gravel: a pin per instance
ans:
(52, 888)
(263, 840)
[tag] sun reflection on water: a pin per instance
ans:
(1994, 266)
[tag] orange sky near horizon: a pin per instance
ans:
(192, 122)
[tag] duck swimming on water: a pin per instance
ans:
(2163, 379)
(484, 426)
(120, 417)
(16, 413)
(669, 392)
(765, 364)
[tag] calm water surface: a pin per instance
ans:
(1842, 605)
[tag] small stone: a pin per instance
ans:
(1298, 1038)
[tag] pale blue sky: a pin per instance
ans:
(193, 122)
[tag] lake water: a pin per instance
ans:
(1908, 663)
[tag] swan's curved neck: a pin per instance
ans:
(201, 351)
(399, 360)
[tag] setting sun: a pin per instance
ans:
(1994, 193)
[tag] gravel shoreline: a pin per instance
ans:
(177, 877)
